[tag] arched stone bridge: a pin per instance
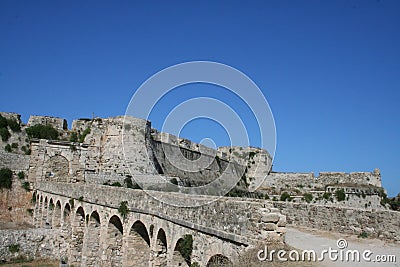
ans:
(92, 232)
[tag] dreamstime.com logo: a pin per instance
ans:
(342, 254)
(224, 112)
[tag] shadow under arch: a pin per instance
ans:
(138, 245)
(219, 260)
(114, 239)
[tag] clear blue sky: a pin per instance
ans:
(329, 69)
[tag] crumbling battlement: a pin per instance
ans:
(58, 123)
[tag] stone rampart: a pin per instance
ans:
(15, 162)
(29, 244)
(57, 123)
(239, 220)
(377, 223)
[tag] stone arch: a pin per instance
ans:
(160, 249)
(92, 245)
(78, 233)
(67, 214)
(114, 242)
(137, 245)
(182, 251)
(57, 169)
(219, 260)
(57, 214)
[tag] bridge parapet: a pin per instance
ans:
(238, 220)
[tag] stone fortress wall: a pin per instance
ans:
(148, 155)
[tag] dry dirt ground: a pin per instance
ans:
(37, 263)
(306, 239)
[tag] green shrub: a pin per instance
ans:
(41, 131)
(285, 196)
(83, 135)
(21, 175)
(185, 247)
(5, 178)
(123, 209)
(14, 145)
(13, 248)
(327, 195)
(26, 150)
(117, 184)
(25, 185)
(33, 199)
(174, 181)
(14, 125)
(80, 199)
(8, 148)
(71, 202)
(5, 134)
(340, 195)
(73, 137)
(308, 197)
(363, 235)
(3, 122)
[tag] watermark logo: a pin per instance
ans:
(339, 254)
(151, 94)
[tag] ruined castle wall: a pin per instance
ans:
(16, 162)
(58, 160)
(15, 204)
(167, 163)
(32, 243)
(107, 154)
(377, 223)
(58, 123)
(285, 181)
(361, 178)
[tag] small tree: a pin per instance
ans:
(3, 122)
(123, 209)
(21, 175)
(185, 247)
(340, 195)
(14, 125)
(73, 137)
(83, 135)
(8, 148)
(5, 178)
(308, 197)
(285, 197)
(41, 131)
(5, 134)
(26, 186)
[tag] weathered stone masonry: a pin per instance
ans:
(224, 227)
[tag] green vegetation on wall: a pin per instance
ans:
(185, 247)
(5, 178)
(340, 195)
(41, 131)
(123, 209)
